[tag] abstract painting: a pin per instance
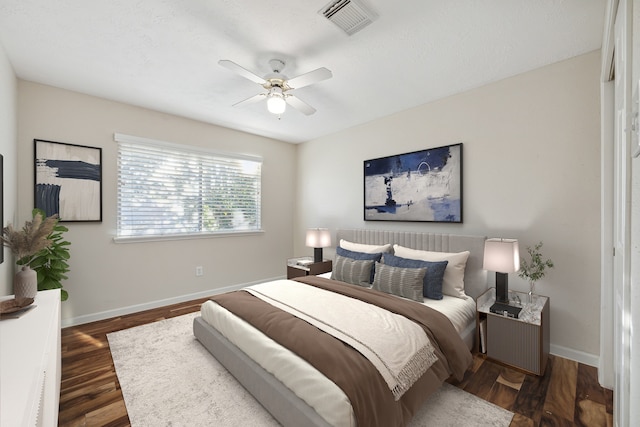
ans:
(68, 180)
(419, 186)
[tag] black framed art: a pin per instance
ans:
(68, 180)
(423, 186)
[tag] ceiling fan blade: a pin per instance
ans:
(300, 105)
(251, 100)
(309, 78)
(241, 71)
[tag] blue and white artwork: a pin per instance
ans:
(420, 186)
(68, 180)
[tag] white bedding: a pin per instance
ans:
(401, 354)
(304, 380)
(322, 394)
(460, 310)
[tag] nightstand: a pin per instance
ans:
(521, 342)
(304, 266)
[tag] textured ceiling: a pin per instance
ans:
(163, 54)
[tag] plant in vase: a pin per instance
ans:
(51, 262)
(41, 251)
(535, 269)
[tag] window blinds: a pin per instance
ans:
(167, 189)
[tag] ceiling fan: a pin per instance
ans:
(278, 86)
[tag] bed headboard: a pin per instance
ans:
(475, 278)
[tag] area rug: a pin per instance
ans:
(169, 379)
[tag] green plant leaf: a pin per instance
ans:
(50, 263)
(535, 269)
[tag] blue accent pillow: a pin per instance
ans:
(360, 256)
(432, 283)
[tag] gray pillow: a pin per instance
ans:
(356, 272)
(359, 255)
(403, 282)
(432, 283)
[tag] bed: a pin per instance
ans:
(270, 372)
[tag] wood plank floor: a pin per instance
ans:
(567, 395)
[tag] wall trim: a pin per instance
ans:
(556, 350)
(575, 355)
(88, 318)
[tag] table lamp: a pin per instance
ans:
(503, 257)
(318, 238)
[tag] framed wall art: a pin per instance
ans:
(419, 186)
(68, 180)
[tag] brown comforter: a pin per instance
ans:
(372, 401)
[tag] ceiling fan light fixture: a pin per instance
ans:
(275, 101)
(277, 84)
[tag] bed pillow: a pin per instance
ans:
(361, 247)
(432, 284)
(354, 271)
(453, 280)
(403, 282)
(360, 256)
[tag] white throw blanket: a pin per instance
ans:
(395, 345)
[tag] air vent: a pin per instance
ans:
(350, 15)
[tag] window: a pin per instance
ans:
(170, 190)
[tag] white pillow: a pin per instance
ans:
(453, 281)
(361, 247)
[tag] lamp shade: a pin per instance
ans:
(318, 238)
(501, 255)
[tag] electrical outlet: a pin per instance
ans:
(199, 271)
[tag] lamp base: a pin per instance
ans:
(317, 254)
(502, 287)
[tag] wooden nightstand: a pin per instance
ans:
(521, 342)
(297, 267)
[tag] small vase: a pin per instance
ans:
(25, 283)
(532, 285)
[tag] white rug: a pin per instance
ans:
(169, 379)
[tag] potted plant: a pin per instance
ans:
(535, 269)
(41, 251)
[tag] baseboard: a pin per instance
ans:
(88, 318)
(575, 355)
(556, 350)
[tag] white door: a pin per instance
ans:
(621, 219)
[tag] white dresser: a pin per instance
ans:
(30, 364)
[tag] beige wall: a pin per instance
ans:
(531, 172)
(8, 132)
(106, 276)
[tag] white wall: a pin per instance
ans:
(634, 297)
(531, 171)
(106, 276)
(8, 149)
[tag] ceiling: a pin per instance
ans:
(163, 54)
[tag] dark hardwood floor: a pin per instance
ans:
(567, 395)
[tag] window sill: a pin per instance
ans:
(191, 236)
